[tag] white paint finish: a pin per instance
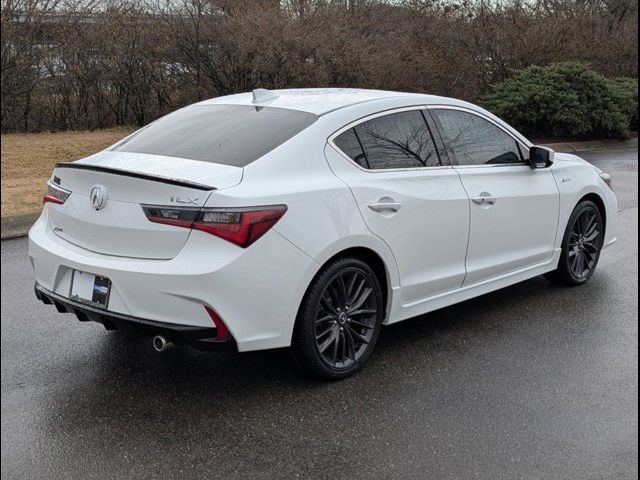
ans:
(516, 227)
(258, 290)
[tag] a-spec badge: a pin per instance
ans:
(98, 197)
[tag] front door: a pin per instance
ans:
(514, 209)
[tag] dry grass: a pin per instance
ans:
(28, 160)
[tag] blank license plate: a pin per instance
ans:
(89, 288)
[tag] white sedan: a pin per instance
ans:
(309, 219)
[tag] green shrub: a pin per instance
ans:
(628, 89)
(565, 99)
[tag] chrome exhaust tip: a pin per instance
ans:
(160, 343)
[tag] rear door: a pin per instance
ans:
(408, 197)
(514, 209)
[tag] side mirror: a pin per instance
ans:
(541, 157)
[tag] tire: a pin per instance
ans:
(339, 320)
(581, 246)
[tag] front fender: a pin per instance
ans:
(577, 179)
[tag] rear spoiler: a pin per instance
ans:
(128, 173)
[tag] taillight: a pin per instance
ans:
(179, 217)
(55, 194)
(241, 226)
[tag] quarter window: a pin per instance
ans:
(397, 140)
(349, 143)
(476, 141)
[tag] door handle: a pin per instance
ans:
(484, 199)
(384, 206)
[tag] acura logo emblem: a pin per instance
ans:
(98, 197)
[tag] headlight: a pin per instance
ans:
(606, 178)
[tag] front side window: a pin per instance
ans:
(233, 135)
(476, 141)
(397, 140)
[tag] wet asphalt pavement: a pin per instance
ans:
(533, 381)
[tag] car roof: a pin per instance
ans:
(318, 101)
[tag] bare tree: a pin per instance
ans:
(71, 64)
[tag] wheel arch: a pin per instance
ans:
(371, 257)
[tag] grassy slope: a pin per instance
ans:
(28, 160)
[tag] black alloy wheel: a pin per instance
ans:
(584, 244)
(581, 246)
(339, 321)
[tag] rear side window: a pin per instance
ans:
(476, 141)
(397, 140)
(233, 135)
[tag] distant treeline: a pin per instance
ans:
(86, 64)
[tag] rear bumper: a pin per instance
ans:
(255, 291)
(200, 338)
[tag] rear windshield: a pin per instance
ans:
(233, 135)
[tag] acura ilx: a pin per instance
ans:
(309, 219)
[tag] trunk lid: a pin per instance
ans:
(119, 226)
